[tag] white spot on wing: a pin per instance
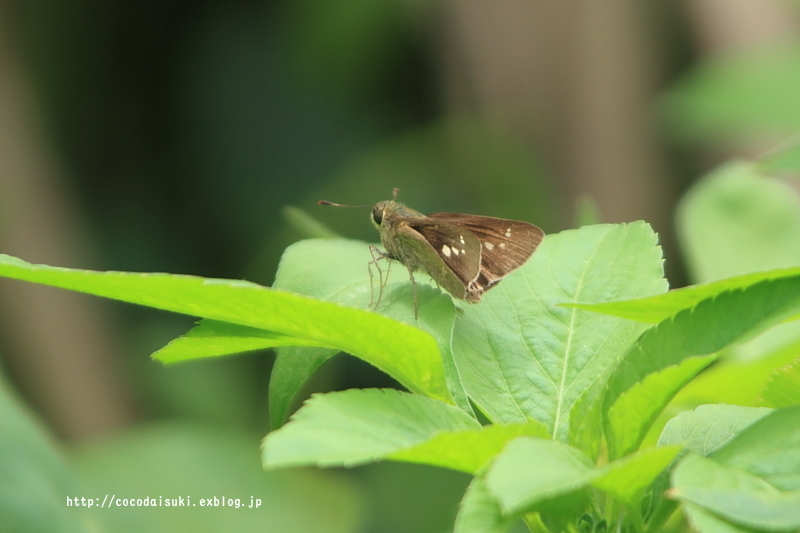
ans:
(502, 245)
(455, 251)
(489, 246)
(462, 239)
(446, 250)
(508, 232)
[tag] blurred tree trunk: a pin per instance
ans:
(576, 79)
(724, 25)
(59, 346)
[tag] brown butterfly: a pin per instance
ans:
(465, 254)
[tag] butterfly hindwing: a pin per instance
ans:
(505, 246)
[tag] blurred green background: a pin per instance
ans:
(172, 135)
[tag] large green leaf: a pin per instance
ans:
(337, 271)
(365, 425)
(769, 448)
(735, 495)
(705, 329)
(531, 471)
(404, 352)
(521, 355)
(359, 426)
(658, 308)
(709, 427)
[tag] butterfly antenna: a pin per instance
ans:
(326, 202)
(394, 193)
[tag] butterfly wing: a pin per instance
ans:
(451, 255)
(505, 246)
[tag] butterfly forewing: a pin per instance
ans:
(456, 258)
(458, 247)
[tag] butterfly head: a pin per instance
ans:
(381, 211)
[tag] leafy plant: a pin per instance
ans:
(545, 392)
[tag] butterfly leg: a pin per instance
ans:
(377, 255)
(414, 288)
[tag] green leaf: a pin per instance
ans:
(734, 94)
(735, 495)
(293, 365)
(530, 471)
(709, 427)
(707, 328)
(783, 387)
(34, 481)
(404, 352)
(735, 221)
(360, 426)
(468, 450)
(704, 521)
(211, 338)
(739, 377)
(769, 448)
(522, 356)
(343, 277)
(629, 418)
(480, 513)
(628, 478)
(658, 308)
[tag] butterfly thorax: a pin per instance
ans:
(447, 253)
(389, 216)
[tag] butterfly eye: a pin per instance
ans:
(377, 215)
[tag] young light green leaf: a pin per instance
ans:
(404, 352)
(658, 308)
(480, 513)
(531, 470)
(212, 338)
(709, 427)
(468, 450)
(360, 426)
(634, 411)
(521, 356)
(707, 328)
(783, 387)
(769, 448)
(735, 495)
(739, 377)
